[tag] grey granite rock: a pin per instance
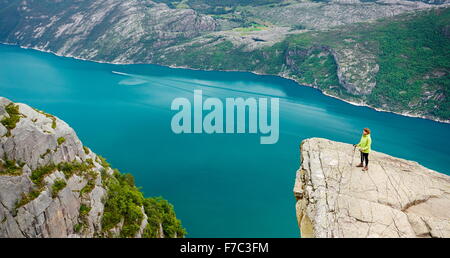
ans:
(11, 187)
(395, 198)
(33, 143)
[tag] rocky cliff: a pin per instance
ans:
(53, 186)
(395, 198)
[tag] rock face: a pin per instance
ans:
(395, 198)
(320, 15)
(50, 184)
(128, 31)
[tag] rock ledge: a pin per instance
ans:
(53, 186)
(395, 198)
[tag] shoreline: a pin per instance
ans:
(360, 104)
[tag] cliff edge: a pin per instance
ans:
(395, 198)
(53, 186)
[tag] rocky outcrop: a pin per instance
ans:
(395, 198)
(356, 67)
(33, 143)
(50, 184)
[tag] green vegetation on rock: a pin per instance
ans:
(109, 203)
(38, 175)
(124, 202)
(70, 168)
(413, 54)
(84, 210)
(61, 140)
(414, 59)
(251, 27)
(52, 117)
(57, 186)
(90, 177)
(14, 117)
(161, 212)
(10, 168)
(45, 154)
(78, 227)
(26, 198)
(103, 161)
(83, 214)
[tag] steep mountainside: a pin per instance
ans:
(53, 186)
(395, 198)
(388, 54)
(102, 30)
(399, 64)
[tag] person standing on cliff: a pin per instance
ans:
(364, 147)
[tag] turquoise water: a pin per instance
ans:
(220, 185)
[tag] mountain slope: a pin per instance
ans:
(399, 64)
(106, 30)
(390, 55)
(53, 186)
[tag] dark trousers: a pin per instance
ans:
(365, 157)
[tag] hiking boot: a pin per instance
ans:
(366, 168)
(360, 165)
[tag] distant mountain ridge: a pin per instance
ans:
(345, 48)
(107, 30)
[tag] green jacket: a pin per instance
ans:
(364, 143)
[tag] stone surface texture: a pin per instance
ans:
(395, 198)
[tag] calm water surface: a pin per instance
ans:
(220, 185)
